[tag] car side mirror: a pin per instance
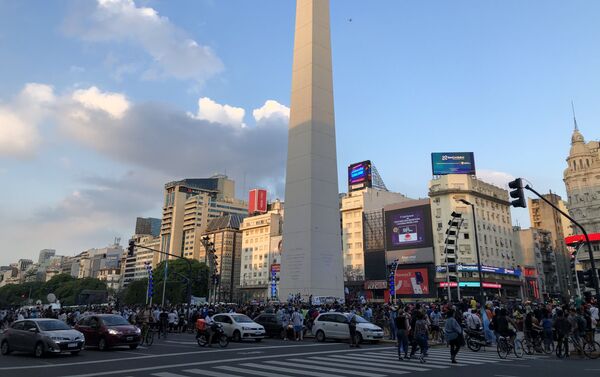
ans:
(32, 329)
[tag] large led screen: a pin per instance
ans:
(453, 163)
(416, 281)
(408, 228)
(359, 175)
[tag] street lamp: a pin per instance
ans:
(481, 295)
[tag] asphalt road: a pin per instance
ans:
(180, 356)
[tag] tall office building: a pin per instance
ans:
(147, 225)
(312, 262)
(189, 206)
(45, 255)
(494, 229)
(538, 259)
(543, 216)
(261, 254)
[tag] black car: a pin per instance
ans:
(271, 323)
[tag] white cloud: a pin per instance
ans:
(496, 178)
(19, 120)
(172, 51)
(271, 109)
(216, 113)
(115, 104)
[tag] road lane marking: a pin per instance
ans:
(352, 360)
(327, 362)
(255, 373)
(302, 365)
(152, 356)
(209, 362)
(210, 373)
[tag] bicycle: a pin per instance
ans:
(147, 338)
(535, 344)
(590, 349)
(504, 347)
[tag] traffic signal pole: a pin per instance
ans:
(587, 239)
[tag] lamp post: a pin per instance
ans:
(481, 295)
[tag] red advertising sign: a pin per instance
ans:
(257, 201)
(492, 285)
(375, 284)
(412, 281)
(275, 267)
(445, 284)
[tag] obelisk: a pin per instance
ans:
(312, 262)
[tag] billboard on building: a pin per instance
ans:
(414, 281)
(359, 176)
(257, 201)
(453, 163)
(408, 232)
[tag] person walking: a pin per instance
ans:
(422, 334)
(298, 322)
(352, 329)
(402, 328)
(454, 335)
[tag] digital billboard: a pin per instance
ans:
(416, 281)
(408, 232)
(359, 176)
(257, 201)
(453, 163)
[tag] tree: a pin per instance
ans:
(135, 293)
(176, 283)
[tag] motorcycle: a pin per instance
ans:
(475, 339)
(218, 336)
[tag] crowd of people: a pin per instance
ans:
(412, 325)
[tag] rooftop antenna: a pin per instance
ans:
(574, 118)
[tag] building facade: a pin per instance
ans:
(45, 255)
(147, 226)
(261, 254)
(538, 260)
(494, 231)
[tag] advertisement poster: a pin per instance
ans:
(414, 281)
(359, 175)
(453, 163)
(409, 228)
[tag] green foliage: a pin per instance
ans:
(176, 284)
(64, 286)
(135, 293)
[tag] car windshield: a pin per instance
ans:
(359, 319)
(53, 325)
(114, 320)
(241, 318)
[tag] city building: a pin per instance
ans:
(582, 181)
(224, 232)
(134, 267)
(45, 255)
(189, 205)
(354, 205)
(24, 264)
(494, 232)
(312, 264)
(537, 259)
(147, 226)
(93, 260)
(112, 277)
(543, 216)
(261, 254)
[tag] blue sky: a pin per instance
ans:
(99, 101)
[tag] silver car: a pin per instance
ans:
(41, 336)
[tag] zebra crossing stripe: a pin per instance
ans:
(362, 366)
(445, 359)
(353, 360)
(167, 374)
(395, 360)
(246, 371)
(301, 364)
(210, 373)
(286, 370)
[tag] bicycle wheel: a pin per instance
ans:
(591, 350)
(548, 347)
(560, 349)
(202, 341)
(518, 348)
(149, 338)
(223, 341)
(473, 345)
(502, 348)
(528, 347)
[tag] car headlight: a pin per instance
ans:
(138, 331)
(368, 330)
(245, 328)
(114, 332)
(56, 338)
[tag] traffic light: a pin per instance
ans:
(588, 278)
(131, 248)
(517, 193)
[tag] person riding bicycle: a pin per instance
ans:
(501, 323)
(562, 328)
(531, 328)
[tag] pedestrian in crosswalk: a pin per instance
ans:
(402, 328)
(454, 334)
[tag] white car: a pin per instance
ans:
(334, 325)
(239, 327)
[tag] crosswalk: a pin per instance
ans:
(374, 363)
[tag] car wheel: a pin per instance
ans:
(133, 346)
(237, 336)
(4, 348)
(320, 336)
(75, 353)
(102, 346)
(38, 351)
